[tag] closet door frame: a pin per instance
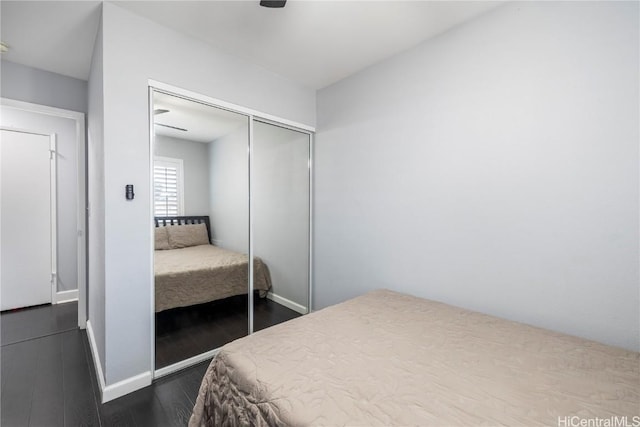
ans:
(253, 116)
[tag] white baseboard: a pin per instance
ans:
(66, 296)
(113, 391)
(126, 386)
(96, 358)
(287, 303)
(185, 363)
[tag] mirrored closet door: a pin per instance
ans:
(228, 186)
(280, 177)
(201, 212)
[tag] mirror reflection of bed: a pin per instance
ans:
(201, 216)
(201, 291)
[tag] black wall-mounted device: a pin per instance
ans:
(129, 192)
(273, 3)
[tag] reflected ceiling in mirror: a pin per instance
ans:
(185, 119)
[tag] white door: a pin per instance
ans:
(27, 218)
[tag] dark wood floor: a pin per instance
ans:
(182, 333)
(48, 378)
(38, 322)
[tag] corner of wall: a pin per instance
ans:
(95, 204)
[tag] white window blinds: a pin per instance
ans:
(168, 193)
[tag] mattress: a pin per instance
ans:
(391, 359)
(204, 273)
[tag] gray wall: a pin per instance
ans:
(494, 167)
(229, 184)
(43, 87)
(135, 50)
(66, 182)
(96, 196)
(195, 165)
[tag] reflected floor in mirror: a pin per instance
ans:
(185, 332)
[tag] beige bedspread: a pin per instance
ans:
(391, 359)
(204, 273)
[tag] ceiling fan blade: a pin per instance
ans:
(170, 127)
(160, 111)
(273, 3)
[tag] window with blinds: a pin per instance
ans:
(168, 189)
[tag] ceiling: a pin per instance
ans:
(312, 42)
(56, 36)
(203, 123)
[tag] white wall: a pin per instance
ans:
(42, 87)
(66, 181)
(494, 167)
(135, 50)
(229, 185)
(195, 165)
(96, 195)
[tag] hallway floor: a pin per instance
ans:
(48, 378)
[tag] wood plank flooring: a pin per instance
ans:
(37, 322)
(48, 378)
(185, 332)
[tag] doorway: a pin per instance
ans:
(68, 282)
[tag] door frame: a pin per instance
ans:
(81, 205)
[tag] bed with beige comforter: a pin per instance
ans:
(391, 359)
(204, 273)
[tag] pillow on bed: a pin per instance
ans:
(162, 239)
(182, 236)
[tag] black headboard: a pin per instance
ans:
(162, 221)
